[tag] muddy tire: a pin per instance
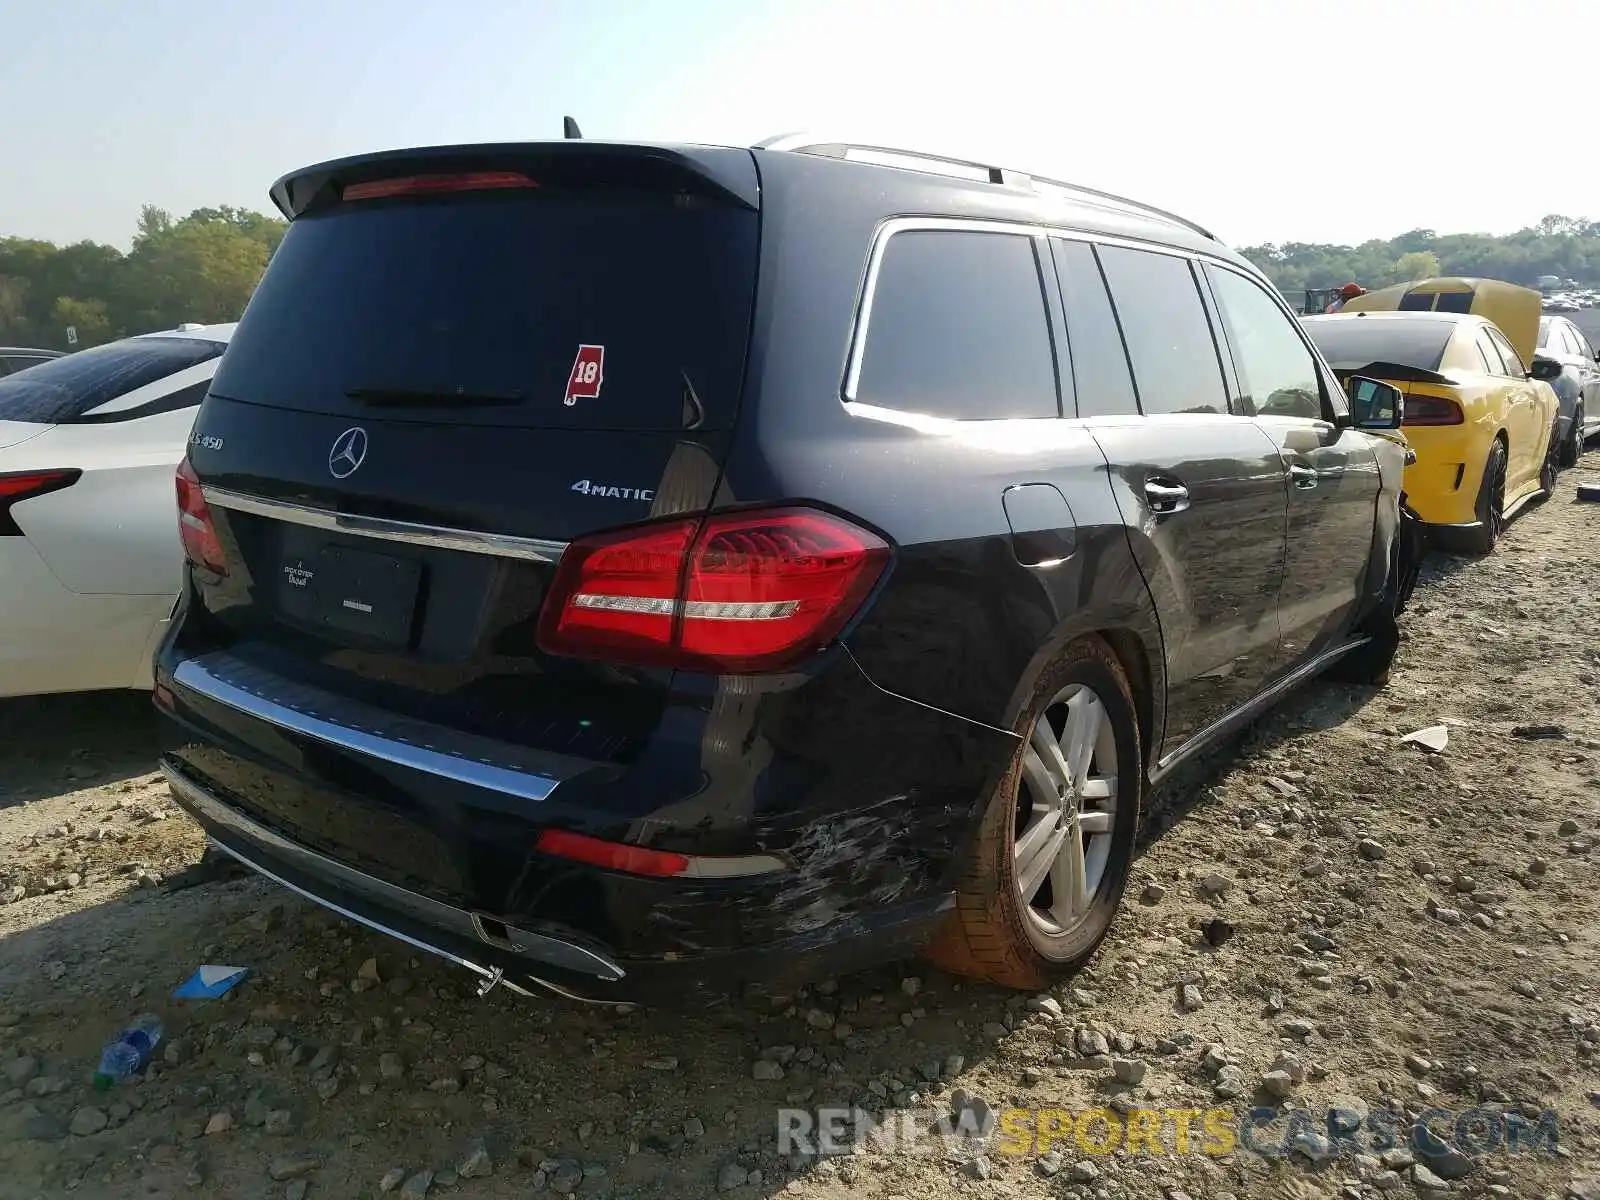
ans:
(1020, 921)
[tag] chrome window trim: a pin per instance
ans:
(888, 229)
(441, 537)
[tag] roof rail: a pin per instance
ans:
(803, 143)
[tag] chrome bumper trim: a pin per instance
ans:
(440, 537)
(226, 820)
(404, 742)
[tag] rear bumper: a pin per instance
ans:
(569, 965)
(436, 848)
(1442, 485)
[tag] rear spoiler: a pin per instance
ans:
(1396, 373)
(715, 172)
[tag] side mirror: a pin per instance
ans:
(1545, 368)
(1375, 404)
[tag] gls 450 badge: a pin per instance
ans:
(613, 493)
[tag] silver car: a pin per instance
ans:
(1578, 385)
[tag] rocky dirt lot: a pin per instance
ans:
(1324, 915)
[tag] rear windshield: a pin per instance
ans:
(65, 389)
(575, 311)
(1351, 342)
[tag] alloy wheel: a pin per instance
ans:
(1065, 814)
(1497, 498)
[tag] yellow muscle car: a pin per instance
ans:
(1478, 411)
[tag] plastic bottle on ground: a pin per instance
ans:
(130, 1053)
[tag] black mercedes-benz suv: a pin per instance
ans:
(649, 572)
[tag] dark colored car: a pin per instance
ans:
(20, 358)
(1578, 385)
(654, 571)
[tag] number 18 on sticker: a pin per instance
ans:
(588, 373)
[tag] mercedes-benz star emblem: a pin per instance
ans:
(348, 453)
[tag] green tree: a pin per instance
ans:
(86, 318)
(201, 267)
(1418, 264)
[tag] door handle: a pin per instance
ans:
(1303, 476)
(1166, 498)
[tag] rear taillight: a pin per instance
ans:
(427, 185)
(29, 485)
(1431, 410)
(201, 545)
(745, 592)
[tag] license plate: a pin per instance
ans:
(370, 596)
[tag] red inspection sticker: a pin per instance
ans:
(588, 373)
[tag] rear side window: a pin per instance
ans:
(1277, 373)
(1099, 360)
(1514, 367)
(1351, 343)
(958, 328)
(67, 389)
(1174, 357)
(498, 309)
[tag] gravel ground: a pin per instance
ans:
(1339, 918)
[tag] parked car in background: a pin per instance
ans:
(90, 560)
(559, 599)
(1484, 429)
(17, 358)
(1578, 385)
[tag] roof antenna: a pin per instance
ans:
(569, 128)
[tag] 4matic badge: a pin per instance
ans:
(612, 492)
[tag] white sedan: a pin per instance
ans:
(90, 559)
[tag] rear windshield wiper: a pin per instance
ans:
(453, 398)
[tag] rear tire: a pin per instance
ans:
(1010, 926)
(1550, 469)
(1573, 446)
(1491, 505)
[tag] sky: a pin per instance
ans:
(1265, 120)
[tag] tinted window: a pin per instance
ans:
(1350, 343)
(1175, 363)
(477, 310)
(1582, 343)
(20, 362)
(1514, 367)
(959, 329)
(1099, 361)
(1277, 372)
(1454, 302)
(64, 389)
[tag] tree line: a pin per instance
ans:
(1565, 246)
(203, 267)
